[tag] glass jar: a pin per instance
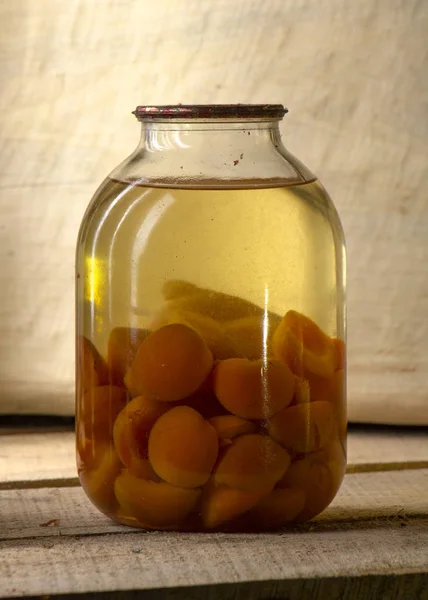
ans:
(211, 329)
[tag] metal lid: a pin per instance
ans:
(211, 111)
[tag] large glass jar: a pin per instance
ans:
(211, 329)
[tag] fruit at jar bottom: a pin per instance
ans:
(183, 447)
(229, 427)
(212, 332)
(98, 480)
(131, 432)
(122, 346)
(253, 389)
(170, 364)
(252, 463)
(319, 474)
(221, 504)
(303, 428)
(92, 368)
(206, 441)
(154, 504)
(98, 408)
(302, 392)
(204, 401)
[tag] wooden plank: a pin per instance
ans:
(45, 458)
(37, 456)
(363, 496)
(381, 448)
(138, 560)
(377, 527)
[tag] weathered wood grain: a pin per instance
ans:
(380, 448)
(70, 74)
(363, 496)
(37, 456)
(134, 561)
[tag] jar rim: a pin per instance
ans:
(211, 111)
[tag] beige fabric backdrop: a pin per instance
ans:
(355, 77)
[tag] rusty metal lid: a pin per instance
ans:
(211, 111)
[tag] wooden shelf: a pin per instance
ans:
(372, 542)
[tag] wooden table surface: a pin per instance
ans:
(371, 543)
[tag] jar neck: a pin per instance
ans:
(210, 152)
(200, 136)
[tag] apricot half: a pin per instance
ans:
(99, 408)
(98, 482)
(340, 353)
(251, 336)
(131, 432)
(303, 427)
(331, 390)
(211, 331)
(301, 344)
(220, 504)
(170, 364)
(319, 475)
(122, 347)
(252, 463)
(204, 401)
(229, 427)
(154, 504)
(253, 389)
(183, 447)
(92, 370)
(302, 391)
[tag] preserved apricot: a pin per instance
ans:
(331, 390)
(131, 432)
(92, 367)
(99, 409)
(302, 391)
(334, 456)
(221, 504)
(204, 401)
(153, 504)
(253, 389)
(279, 508)
(320, 388)
(252, 463)
(213, 333)
(251, 336)
(319, 475)
(301, 344)
(183, 447)
(229, 427)
(340, 353)
(98, 481)
(170, 364)
(122, 347)
(304, 427)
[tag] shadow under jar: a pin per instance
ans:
(211, 329)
